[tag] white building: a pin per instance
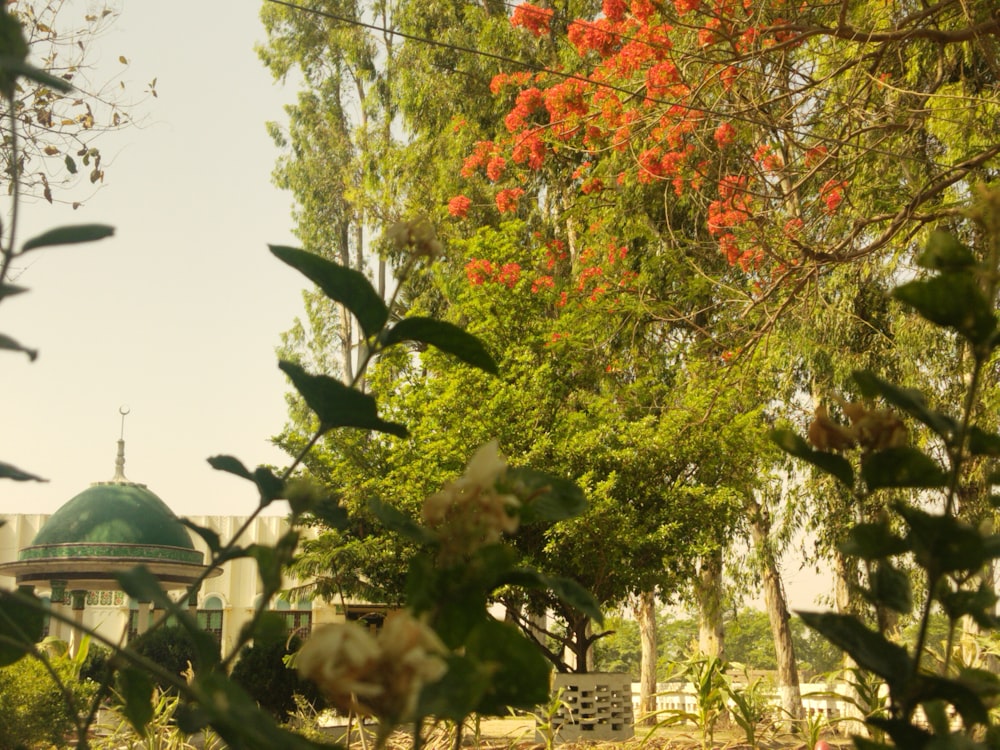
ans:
(70, 559)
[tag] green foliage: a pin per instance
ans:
(35, 712)
(263, 671)
(172, 647)
(958, 292)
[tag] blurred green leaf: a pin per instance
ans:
(943, 543)
(9, 290)
(890, 587)
(544, 497)
(871, 650)
(945, 253)
(238, 720)
(12, 472)
(901, 467)
(344, 285)
(979, 604)
(336, 404)
(70, 164)
(967, 702)
(870, 541)
(837, 466)
(903, 734)
(909, 400)
(70, 235)
(22, 621)
(576, 596)
(519, 672)
(230, 465)
(953, 300)
(209, 536)
(271, 488)
(37, 75)
(445, 336)
(983, 443)
(136, 690)
(142, 585)
(398, 521)
(270, 627)
(457, 694)
(6, 342)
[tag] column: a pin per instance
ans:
(145, 610)
(79, 601)
(57, 628)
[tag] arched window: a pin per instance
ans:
(210, 615)
(297, 615)
(133, 619)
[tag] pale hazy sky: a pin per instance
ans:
(177, 315)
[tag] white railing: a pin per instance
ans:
(818, 699)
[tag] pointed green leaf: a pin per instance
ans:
(837, 466)
(901, 467)
(22, 621)
(909, 400)
(952, 300)
(136, 690)
(70, 235)
(983, 443)
(12, 472)
(230, 465)
(870, 541)
(871, 650)
(271, 488)
(945, 253)
(336, 404)
(6, 342)
(544, 497)
(445, 336)
(350, 288)
(70, 164)
(9, 290)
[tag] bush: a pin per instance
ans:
(261, 671)
(33, 711)
(172, 647)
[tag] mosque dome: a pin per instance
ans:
(106, 529)
(114, 513)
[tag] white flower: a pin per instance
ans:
(417, 235)
(382, 676)
(342, 660)
(469, 512)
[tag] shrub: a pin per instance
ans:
(33, 710)
(262, 672)
(172, 647)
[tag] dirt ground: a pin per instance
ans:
(518, 733)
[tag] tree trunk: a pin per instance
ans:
(646, 614)
(708, 590)
(777, 614)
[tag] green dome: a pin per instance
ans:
(114, 513)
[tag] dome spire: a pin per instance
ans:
(120, 458)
